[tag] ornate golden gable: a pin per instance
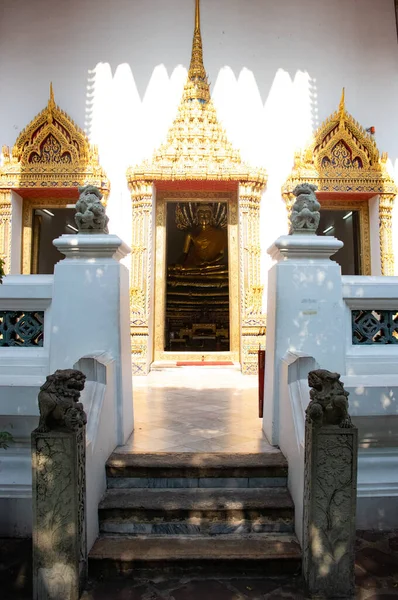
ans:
(51, 152)
(196, 147)
(343, 158)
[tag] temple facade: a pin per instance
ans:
(199, 177)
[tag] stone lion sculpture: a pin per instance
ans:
(59, 401)
(329, 399)
(90, 214)
(305, 212)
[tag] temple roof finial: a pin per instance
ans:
(197, 15)
(342, 104)
(51, 101)
(197, 86)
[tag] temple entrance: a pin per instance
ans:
(197, 286)
(196, 299)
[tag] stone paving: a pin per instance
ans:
(376, 578)
(200, 409)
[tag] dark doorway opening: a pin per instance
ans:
(197, 287)
(49, 224)
(344, 225)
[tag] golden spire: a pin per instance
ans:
(51, 104)
(196, 147)
(197, 86)
(342, 105)
(51, 101)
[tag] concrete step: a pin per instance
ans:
(196, 511)
(196, 467)
(268, 554)
(170, 366)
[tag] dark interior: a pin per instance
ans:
(47, 227)
(197, 301)
(345, 227)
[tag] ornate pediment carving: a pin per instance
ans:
(52, 151)
(342, 157)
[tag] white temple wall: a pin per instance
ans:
(277, 70)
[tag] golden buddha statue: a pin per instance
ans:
(206, 239)
(205, 245)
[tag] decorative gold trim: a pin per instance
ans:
(343, 158)
(51, 152)
(5, 228)
(29, 244)
(386, 203)
(160, 273)
(362, 206)
(35, 242)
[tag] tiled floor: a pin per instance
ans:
(196, 409)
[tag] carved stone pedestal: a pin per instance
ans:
(59, 524)
(329, 510)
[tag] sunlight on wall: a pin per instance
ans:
(127, 129)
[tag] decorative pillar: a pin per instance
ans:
(386, 202)
(253, 319)
(289, 199)
(59, 490)
(5, 228)
(141, 276)
(330, 489)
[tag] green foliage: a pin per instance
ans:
(5, 439)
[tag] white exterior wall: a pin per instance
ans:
(277, 70)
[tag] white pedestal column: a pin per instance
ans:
(305, 312)
(90, 312)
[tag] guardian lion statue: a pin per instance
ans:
(90, 214)
(305, 212)
(59, 401)
(329, 400)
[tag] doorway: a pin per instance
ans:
(344, 225)
(347, 219)
(196, 297)
(49, 224)
(43, 222)
(197, 284)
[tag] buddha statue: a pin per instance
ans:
(204, 245)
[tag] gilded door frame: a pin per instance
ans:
(362, 206)
(29, 255)
(159, 294)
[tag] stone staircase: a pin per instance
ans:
(196, 512)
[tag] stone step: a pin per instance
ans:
(194, 482)
(197, 468)
(196, 511)
(268, 554)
